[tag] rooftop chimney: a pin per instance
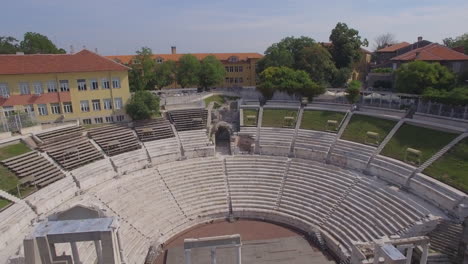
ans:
(173, 50)
(19, 53)
(420, 39)
(96, 51)
(72, 50)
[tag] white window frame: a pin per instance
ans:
(96, 104)
(87, 121)
(24, 88)
(51, 86)
(107, 104)
(67, 108)
(42, 109)
(4, 91)
(64, 86)
(118, 103)
(37, 87)
(109, 119)
(29, 108)
(105, 83)
(115, 82)
(98, 120)
(94, 84)
(120, 118)
(55, 109)
(84, 106)
(81, 83)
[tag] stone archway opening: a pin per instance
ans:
(223, 140)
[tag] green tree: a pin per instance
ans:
(353, 91)
(457, 42)
(8, 45)
(35, 43)
(284, 53)
(188, 71)
(417, 76)
(142, 76)
(288, 80)
(211, 72)
(142, 105)
(340, 77)
(346, 45)
(317, 62)
(165, 74)
(456, 96)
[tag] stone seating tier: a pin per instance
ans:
(33, 169)
(115, 139)
(83, 152)
(153, 129)
(189, 119)
(61, 134)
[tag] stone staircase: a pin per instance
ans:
(342, 128)
(259, 126)
(296, 130)
(170, 191)
(386, 140)
(439, 154)
(445, 238)
(285, 175)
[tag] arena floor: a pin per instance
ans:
(262, 243)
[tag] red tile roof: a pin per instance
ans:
(432, 52)
(394, 47)
(27, 99)
(83, 61)
(126, 59)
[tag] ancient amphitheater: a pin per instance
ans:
(163, 176)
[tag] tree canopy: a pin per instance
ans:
(318, 63)
(141, 76)
(285, 53)
(32, 43)
(353, 91)
(346, 45)
(417, 76)
(165, 74)
(461, 40)
(188, 71)
(288, 80)
(212, 72)
(142, 105)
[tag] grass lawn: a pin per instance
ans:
(428, 141)
(317, 120)
(275, 117)
(250, 122)
(360, 124)
(8, 180)
(452, 168)
(220, 99)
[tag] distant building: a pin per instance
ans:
(452, 59)
(59, 87)
(240, 67)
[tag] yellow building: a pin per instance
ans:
(82, 86)
(240, 67)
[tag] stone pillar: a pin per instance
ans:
(213, 255)
(75, 254)
(424, 254)
(107, 244)
(409, 255)
(97, 246)
(239, 254)
(188, 256)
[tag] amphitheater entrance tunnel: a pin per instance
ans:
(223, 140)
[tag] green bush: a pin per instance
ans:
(353, 91)
(382, 70)
(143, 105)
(456, 96)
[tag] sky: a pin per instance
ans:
(118, 27)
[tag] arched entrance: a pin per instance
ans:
(223, 138)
